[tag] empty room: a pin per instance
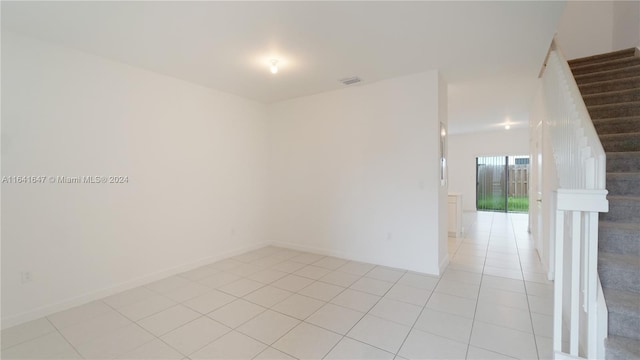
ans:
(320, 180)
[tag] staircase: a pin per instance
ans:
(610, 87)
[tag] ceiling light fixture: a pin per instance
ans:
(274, 66)
(507, 123)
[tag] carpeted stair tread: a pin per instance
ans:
(612, 97)
(623, 161)
(605, 65)
(617, 125)
(622, 209)
(631, 71)
(623, 183)
(619, 271)
(624, 312)
(610, 85)
(619, 238)
(622, 348)
(602, 57)
(611, 110)
(621, 142)
(624, 302)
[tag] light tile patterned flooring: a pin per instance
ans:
(492, 302)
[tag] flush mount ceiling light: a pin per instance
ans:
(274, 66)
(507, 123)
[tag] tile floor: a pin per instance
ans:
(492, 302)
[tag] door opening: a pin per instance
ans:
(502, 183)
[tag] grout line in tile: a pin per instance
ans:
(300, 321)
(475, 311)
(326, 302)
(65, 339)
(486, 246)
(37, 337)
(365, 314)
(524, 284)
(203, 346)
(145, 330)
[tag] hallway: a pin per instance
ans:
(496, 270)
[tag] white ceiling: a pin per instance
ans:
(489, 52)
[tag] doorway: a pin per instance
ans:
(502, 183)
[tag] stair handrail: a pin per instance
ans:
(581, 170)
(591, 178)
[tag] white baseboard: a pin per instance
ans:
(338, 254)
(316, 250)
(47, 310)
(443, 264)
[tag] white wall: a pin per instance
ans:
(586, 28)
(593, 27)
(355, 173)
(196, 161)
(626, 24)
(543, 182)
(463, 150)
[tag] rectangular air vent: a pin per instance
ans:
(350, 80)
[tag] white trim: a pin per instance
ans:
(47, 310)
(565, 356)
(580, 163)
(444, 262)
(322, 251)
(603, 322)
(319, 251)
(582, 200)
(558, 284)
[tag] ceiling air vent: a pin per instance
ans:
(350, 80)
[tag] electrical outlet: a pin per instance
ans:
(389, 236)
(26, 277)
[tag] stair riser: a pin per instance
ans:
(614, 111)
(624, 325)
(617, 126)
(623, 163)
(604, 66)
(618, 240)
(619, 277)
(613, 98)
(605, 76)
(628, 187)
(618, 85)
(622, 211)
(620, 144)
